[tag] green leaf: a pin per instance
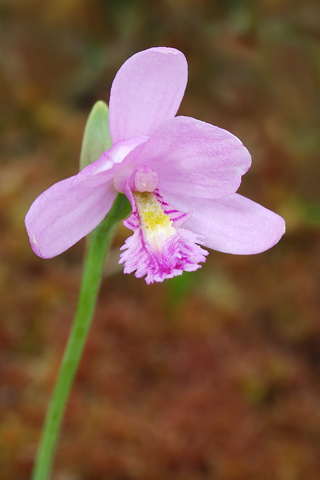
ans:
(96, 137)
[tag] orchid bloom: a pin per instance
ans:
(179, 174)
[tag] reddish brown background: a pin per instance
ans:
(214, 375)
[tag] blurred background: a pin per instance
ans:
(212, 375)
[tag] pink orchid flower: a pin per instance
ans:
(179, 174)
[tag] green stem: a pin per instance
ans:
(99, 242)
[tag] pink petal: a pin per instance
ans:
(195, 158)
(147, 90)
(72, 208)
(69, 210)
(233, 224)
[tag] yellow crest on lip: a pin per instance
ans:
(156, 225)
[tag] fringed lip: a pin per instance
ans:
(159, 248)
